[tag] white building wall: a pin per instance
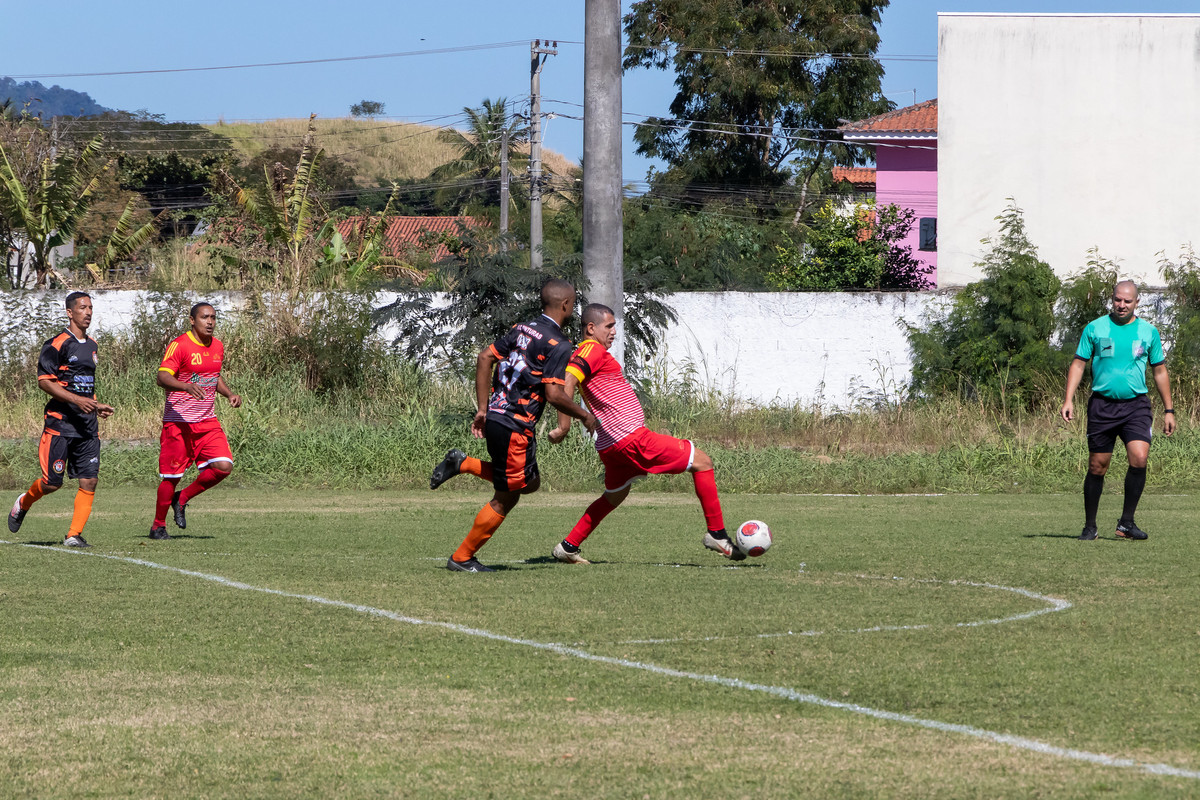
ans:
(833, 350)
(1088, 121)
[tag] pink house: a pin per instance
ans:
(905, 143)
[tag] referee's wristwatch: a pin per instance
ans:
(1168, 411)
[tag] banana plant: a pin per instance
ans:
(49, 211)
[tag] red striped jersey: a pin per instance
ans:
(191, 361)
(71, 363)
(608, 394)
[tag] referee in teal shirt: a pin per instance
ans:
(1119, 345)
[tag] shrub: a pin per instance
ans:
(994, 344)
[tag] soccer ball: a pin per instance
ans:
(753, 537)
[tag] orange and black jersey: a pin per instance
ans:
(531, 354)
(72, 363)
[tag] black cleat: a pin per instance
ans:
(446, 470)
(75, 541)
(470, 565)
(180, 519)
(159, 533)
(1089, 533)
(1128, 530)
(16, 516)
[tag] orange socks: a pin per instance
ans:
(32, 495)
(83, 510)
(486, 523)
(480, 469)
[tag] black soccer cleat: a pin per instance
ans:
(16, 516)
(1128, 530)
(1089, 533)
(470, 565)
(177, 507)
(75, 541)
(159, 533)
(449, 467)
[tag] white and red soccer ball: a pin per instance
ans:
(753, 537)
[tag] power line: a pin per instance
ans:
(406, 54)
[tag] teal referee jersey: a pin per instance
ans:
(1119, 354)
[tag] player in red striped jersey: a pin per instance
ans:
(71, 436)
(628, 449)
(191, 433)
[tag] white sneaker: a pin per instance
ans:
(560, 553)
(724, 547)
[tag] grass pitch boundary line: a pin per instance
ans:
(786, 693)
(1055, 604)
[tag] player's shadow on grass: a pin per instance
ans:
(180, 536)
(51, 543)
(1051, 535)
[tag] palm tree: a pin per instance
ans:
(47, 209)
(473, 178)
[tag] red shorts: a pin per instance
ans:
(182, 444)
(644, 452)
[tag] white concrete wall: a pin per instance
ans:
(827, 349)
(1088, 120)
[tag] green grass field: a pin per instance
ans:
(311, 644)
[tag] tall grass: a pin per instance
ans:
(326, 405)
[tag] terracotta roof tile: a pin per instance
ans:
(921, 118)
(862, 178)
(404, 233)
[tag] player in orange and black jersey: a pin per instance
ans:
(71, 437)
(515, 377)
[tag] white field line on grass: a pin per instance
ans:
(1054, 604)
(784, 692)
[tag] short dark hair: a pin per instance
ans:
(594, 313)
(75, 297)
(554, 291)
(196, 308)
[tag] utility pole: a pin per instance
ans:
(603, 249)
(537, 57)
(504, 179)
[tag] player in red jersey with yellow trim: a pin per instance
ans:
(191, 432)
(628, 449)
(71, 436)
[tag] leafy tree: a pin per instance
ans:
(994, 344)
(1084, 297)
(473, 178)
(367, 108)
(862, 248)
(334, 180)
(758, 93)
(1182, 331)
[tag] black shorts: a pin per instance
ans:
(1107, 419)
(79, 458)
(514, 457)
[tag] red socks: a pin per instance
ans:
(596, 512)
(706, 490)
(207, 479)
(166, 490)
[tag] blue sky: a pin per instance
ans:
(87, 37)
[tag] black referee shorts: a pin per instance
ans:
(1107, 419)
